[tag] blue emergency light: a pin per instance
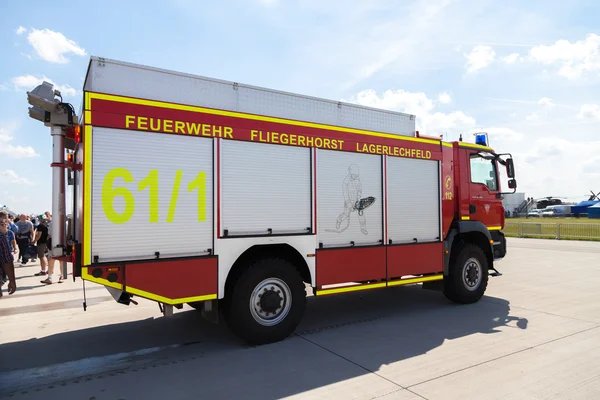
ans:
(481, 139)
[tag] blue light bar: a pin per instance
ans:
(481, 139)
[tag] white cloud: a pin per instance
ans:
(439, 123)
(21, 30)
(409, 102)
(511, 58)
(480, 57)
(532, 117)
(10, 176)
(428, 121)
(572, 59)
(53, 46)
(589, 111)
(28, 82)
(11, 151)
(444, 98)
(546, 102)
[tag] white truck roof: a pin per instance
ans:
(133, 80)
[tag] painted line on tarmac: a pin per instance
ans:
(31, 378)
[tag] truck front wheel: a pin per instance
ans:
(267, 302)
(468, 275)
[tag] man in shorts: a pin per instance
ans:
(41, 241)
(6, 257)
(51, 261)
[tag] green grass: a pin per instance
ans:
(558, 220)
(554, 228)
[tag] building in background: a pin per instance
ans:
(513, 201)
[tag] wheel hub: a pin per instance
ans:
(270, 302)
(472, 274)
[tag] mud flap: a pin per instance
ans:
(210, 310)
(121, 296)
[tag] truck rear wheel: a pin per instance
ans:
(468, 277)
(267, 302)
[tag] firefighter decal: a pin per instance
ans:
(353, 202)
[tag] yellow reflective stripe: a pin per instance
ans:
(167, 300)
(88, 277)
(474, 146)
(172, 106)
(88, 117)
(446, 144)
(350, 288)
(380, 285)
(87, 184)
(465, 218)
(416, 280)
(494, 228)
(88, 101)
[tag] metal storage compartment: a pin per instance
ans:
(349, 198)
(143, 203)
(126, 79)
(265, 189)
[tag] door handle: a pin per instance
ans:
(472, 209)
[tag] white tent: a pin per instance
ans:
(8, 211)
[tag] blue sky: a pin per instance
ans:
(529, 74)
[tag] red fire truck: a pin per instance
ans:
(191, 190)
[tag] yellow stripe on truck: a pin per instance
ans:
(474, 146)
(87, 207)
(167, 300)
(86, 276)
(380, 285)
(416, 280)
(350, 289)
(182, 107)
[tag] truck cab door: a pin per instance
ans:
(485, 201)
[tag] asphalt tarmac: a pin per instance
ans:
(535, 335)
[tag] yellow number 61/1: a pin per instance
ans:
(109, 193)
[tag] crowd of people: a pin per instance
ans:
(29, 239)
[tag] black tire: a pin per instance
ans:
(289, 293)
(470, 257)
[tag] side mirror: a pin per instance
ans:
(510, 168)
(512, 183)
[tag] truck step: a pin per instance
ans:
(495, 272)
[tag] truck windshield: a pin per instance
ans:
(484, 171)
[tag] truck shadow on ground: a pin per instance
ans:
(340, 338)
